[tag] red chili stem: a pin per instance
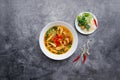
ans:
(76, 59)
(84, 58)
(95, 22)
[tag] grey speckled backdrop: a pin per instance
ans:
(21, 21)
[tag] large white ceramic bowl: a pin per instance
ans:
(61, 56)
(80, 30)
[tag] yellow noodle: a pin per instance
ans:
(59, 48)
(52, 44)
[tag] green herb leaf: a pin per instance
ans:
(87, 27)
(47, 33)
(84, 20)
(69, 46)
(86, 14)
(54, 27)
(59, 52)
(79, 18)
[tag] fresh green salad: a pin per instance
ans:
(84, 20)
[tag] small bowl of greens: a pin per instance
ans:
(86, 23)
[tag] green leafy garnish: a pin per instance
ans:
(69, 46)
(47, 33)
(59, 52)
(54, 27)
(84, 20)
(86, 14)
(81, 20)
(87, 26)
(50, 30)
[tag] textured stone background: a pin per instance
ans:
(21, 21)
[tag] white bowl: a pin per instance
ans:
(78, 27)
(61, 56)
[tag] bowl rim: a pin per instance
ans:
(61, 56)
(78, 28)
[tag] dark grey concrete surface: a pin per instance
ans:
(21, 21)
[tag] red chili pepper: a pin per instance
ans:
(57, 40)
(76, 59)
(84, 58)
(95, 23)
(60, 36)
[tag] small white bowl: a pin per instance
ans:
(61, 56)
(78, 27)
